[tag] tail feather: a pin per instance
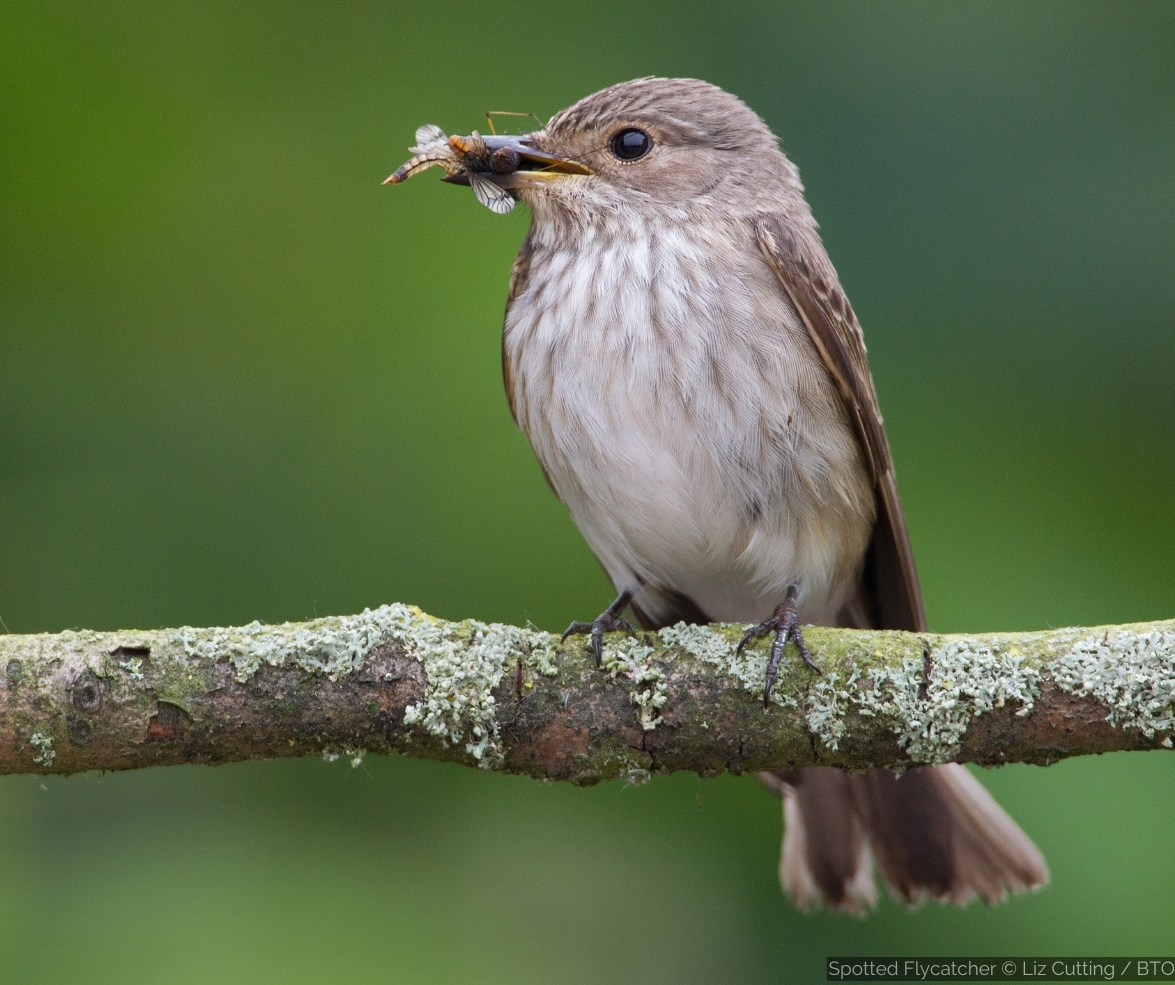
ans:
(826, 854)
(935, 832)
(993, 853)
(913, 831)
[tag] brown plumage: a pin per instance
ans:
(680, 354)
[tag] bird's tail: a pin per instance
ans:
(934, 832)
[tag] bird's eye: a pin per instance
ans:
(630, 143)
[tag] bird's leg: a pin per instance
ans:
(785, 624)
(608, 620)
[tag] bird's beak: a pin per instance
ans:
(513, 161)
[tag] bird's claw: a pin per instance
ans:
(785, 624)
(610, 620)
(597, 629)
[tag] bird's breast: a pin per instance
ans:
(682, 414)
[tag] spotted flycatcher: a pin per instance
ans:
(692, 378)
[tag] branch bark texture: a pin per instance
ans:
(397, 681)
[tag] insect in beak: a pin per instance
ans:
(492, 165)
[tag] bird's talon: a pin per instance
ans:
(610, 620)
(575, 629)
(785, 624)
(754, 633)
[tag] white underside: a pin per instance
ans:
(684, 417)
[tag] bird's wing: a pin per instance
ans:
(807, 276)
(519, 278)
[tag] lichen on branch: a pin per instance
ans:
(395, 680)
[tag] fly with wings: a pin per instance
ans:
(471, 160)
(694, 383)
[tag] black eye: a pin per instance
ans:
(630, 143)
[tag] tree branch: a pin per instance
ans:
(398, 681)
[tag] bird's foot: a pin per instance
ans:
(785, 624)
(610, 619)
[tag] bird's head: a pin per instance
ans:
(649, 145)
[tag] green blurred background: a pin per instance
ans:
(240, 380)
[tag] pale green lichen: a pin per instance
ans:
(629, 657)
(612, 758)
(636, 777)
(463, 662)
(705, 643)
(1132, 674)
(828, 704)
(134, 667)
(44, 746)
(334, 646)
(929, 715)
(715, 646)
(332, 754)
(967, 678)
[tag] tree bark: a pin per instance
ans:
(397, 681)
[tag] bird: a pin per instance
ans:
(680, 353)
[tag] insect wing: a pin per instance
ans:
(426, 135)
(490, 195)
